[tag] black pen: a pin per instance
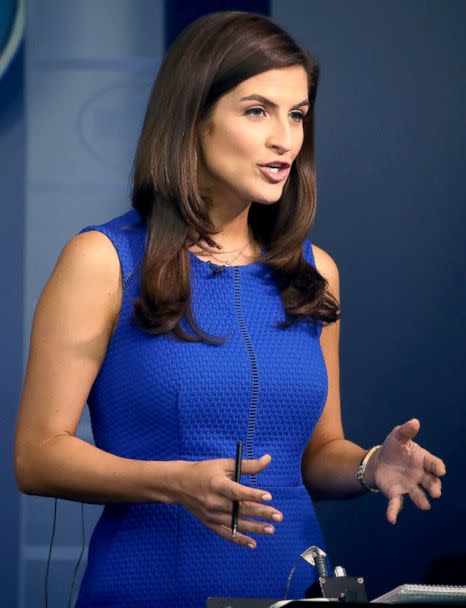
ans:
(234, 515)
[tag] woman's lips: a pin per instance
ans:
(274, 177)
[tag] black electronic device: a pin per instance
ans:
(339, 587)
(344, 588)
(335, 589)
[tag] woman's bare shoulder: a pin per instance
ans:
(327, 267)
(325, 263)
(90, 258)
(88, 267)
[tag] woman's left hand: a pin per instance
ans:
(401, 467)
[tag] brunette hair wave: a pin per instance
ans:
(209, 58)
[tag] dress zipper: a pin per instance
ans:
(249, 447)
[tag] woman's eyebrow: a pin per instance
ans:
(270, 103)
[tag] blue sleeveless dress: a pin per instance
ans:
(159, 399)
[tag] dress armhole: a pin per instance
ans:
(128, 248)
(309, 257)
(308, 252)
(123, 267)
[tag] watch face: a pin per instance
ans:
(11, 30)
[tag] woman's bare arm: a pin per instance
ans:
(72, 326)
(330, 461)
(329, 464)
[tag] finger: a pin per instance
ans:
(219, 510)
(246, 508)
(395, 504)
(240, 539)
(253, 509)
(434, 465)
(218, 503)
(244, 524)
(251, 467)
(419, 498)
(406, 431)
(432, 484)
(237, 491)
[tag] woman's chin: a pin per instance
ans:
(267, 200)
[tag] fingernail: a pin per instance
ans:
(269, 530)
(266, 497)
(250, 545)
(276, 517)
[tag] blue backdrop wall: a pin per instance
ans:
(12, 163)
(12, 169)
(392, 185)
(391, 191)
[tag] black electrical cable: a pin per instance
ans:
(50, 554)
(288, 582)
(80, 557)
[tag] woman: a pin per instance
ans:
(203, 316)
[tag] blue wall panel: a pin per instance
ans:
(12, 163)
(88, 80)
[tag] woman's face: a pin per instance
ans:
(245, 133)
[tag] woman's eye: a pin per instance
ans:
(250, 112)
(300, 115)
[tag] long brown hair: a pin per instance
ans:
(210, 57)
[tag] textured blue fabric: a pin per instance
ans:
(156, 398)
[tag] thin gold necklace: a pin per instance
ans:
(230, 251)
(229, 262)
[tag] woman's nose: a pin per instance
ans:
(281, 137)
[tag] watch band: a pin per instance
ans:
(362, 468)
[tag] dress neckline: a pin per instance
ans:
(225, 268)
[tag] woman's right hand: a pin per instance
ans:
(208, 492)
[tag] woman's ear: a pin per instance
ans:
(204, 127)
